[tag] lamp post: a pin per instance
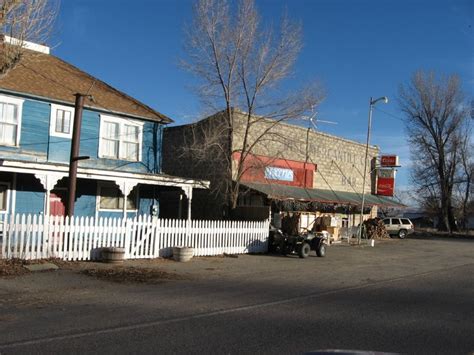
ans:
(372, 102)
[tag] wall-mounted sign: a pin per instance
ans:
(282, 174)
(389, 160)
(262, 169)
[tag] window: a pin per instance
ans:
(111, 198)
(10, 120)
(120, 139)
(62, 118)
(4, 197)
(395, 221)
(386, 221)
(405, 221)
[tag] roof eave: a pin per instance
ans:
(161, 119)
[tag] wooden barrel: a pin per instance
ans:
(113, 255)
(182, 254)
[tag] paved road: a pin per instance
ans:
(410, 296)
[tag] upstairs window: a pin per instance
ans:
(120, 139)
(62, 118)
(10, 120)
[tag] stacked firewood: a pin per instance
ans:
(375, 229)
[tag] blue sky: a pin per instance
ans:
(356, 48)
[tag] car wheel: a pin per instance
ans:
(402, 233)
(321, 250)
(303, 250)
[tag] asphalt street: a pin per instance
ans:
(402, 296)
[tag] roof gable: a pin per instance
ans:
(49, 77)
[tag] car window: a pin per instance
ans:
(386, 221)
(395, 221)
(405, 221)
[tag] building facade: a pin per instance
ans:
(120, 141)
(288, 167)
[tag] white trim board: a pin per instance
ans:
(89, 173)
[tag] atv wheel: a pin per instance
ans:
(321, 250)
(303, 250)
(284, 250)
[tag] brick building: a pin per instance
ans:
(292, 169)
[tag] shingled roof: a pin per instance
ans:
(46, 76)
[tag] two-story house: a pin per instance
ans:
(121, 137)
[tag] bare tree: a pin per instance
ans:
(436, 116)
(465, 181)
(21, 21)
(241, 65)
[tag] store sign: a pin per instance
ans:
(386, 173)
(385, 186)
(274, 173)
(389, 160)
(385, 182)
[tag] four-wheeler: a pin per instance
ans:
(302, 244)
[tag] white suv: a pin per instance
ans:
(399, 226)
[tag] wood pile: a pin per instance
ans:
(374, 228)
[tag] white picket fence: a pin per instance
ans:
(81, 238)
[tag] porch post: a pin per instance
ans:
(188, 191)
(126, 188)
(48, 182)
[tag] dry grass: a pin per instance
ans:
(433, 233)
(12, 268)
(131, 274)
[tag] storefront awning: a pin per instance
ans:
(285, 192)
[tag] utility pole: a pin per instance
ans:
(371, 106)
(74, 157)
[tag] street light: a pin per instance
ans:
(371, 106)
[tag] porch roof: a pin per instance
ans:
(285, 192)
(125, 180)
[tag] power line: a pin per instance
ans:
(389, 114)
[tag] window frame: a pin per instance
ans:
(105, 184)
(7, 202)
(121, 122)
(19, 103)
(53, 117)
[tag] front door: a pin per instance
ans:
(56, 205)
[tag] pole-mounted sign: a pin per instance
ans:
(389, 161)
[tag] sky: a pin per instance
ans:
(356, 48)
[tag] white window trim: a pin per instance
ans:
(121, 122)
(8, 196)
(52, 121)
(118, 210)
(19, 103)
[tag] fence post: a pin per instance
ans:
(45, 248)
(128, 238)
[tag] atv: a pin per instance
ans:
(302, 244)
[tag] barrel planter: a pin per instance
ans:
(113, 255)
(182, 254)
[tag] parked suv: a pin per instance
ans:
(399, 226)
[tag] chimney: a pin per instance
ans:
(26, 44)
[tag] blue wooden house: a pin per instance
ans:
(121, 136)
